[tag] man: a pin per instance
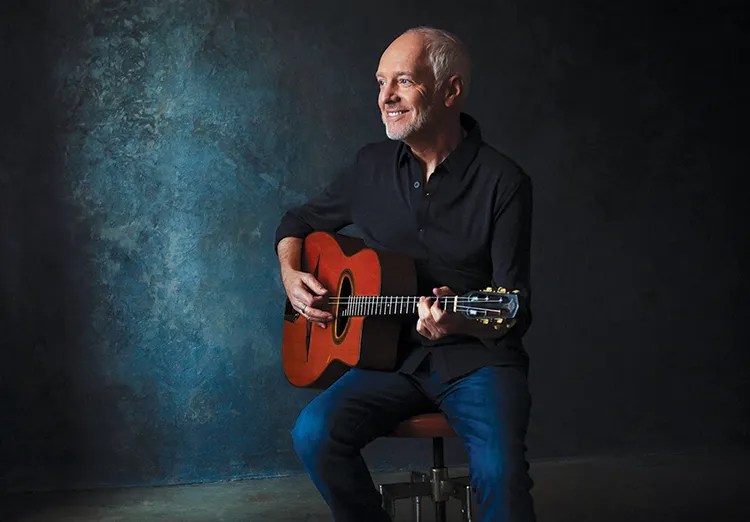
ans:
(437, 193)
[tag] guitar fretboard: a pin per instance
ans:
(362, 305)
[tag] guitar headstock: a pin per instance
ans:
(495, 306)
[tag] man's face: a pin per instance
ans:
(407, 88)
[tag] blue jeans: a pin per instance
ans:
(488, 409)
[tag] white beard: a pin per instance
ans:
(410, 128)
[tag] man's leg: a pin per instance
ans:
(330, 432)
(489, 409)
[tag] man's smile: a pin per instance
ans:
(395, 113)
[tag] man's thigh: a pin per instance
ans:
(363, 405)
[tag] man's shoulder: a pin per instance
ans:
(497, 163)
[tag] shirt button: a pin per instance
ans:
(427, 194)
(416, 184)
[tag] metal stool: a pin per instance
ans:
(436, 483)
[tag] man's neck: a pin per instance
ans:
(431, 151)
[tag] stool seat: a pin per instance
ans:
(423, 426)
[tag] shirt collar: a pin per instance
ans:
(458, 160)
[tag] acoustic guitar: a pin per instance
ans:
(370, 294)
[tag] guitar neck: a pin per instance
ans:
(366, 305)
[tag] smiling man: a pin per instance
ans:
(438, 193)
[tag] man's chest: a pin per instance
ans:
(448, 219)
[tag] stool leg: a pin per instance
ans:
(388, 503)
(438, 462)
(440, 511)
(466, 504)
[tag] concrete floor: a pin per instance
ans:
(696, 486)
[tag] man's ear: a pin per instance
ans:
(454, 89)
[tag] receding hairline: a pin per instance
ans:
(445, 51)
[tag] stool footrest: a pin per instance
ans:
(437, 485)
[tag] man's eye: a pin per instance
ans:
(404, 81)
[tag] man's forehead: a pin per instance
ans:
(403, 56)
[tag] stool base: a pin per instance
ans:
(437, 485)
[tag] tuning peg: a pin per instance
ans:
(502, 290)
(506, 326)
(499, 321)
(516, 292)
(489, 289)
(484, 321)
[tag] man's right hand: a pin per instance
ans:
(307, 295)
(305, 292)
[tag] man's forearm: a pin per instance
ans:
(289, 251)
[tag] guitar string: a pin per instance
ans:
(458, 308)
(389, 299)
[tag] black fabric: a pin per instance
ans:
(468, 228)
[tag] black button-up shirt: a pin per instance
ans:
(468, 227)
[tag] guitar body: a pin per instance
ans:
(315, 357)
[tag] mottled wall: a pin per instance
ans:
(149, 149)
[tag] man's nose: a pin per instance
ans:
(388, 93)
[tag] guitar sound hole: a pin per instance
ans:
(341, 321)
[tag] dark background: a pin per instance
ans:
(148, 150)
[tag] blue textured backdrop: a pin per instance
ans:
(149, 149)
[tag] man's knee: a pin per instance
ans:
(310, 433)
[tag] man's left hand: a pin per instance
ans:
(434, 322)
